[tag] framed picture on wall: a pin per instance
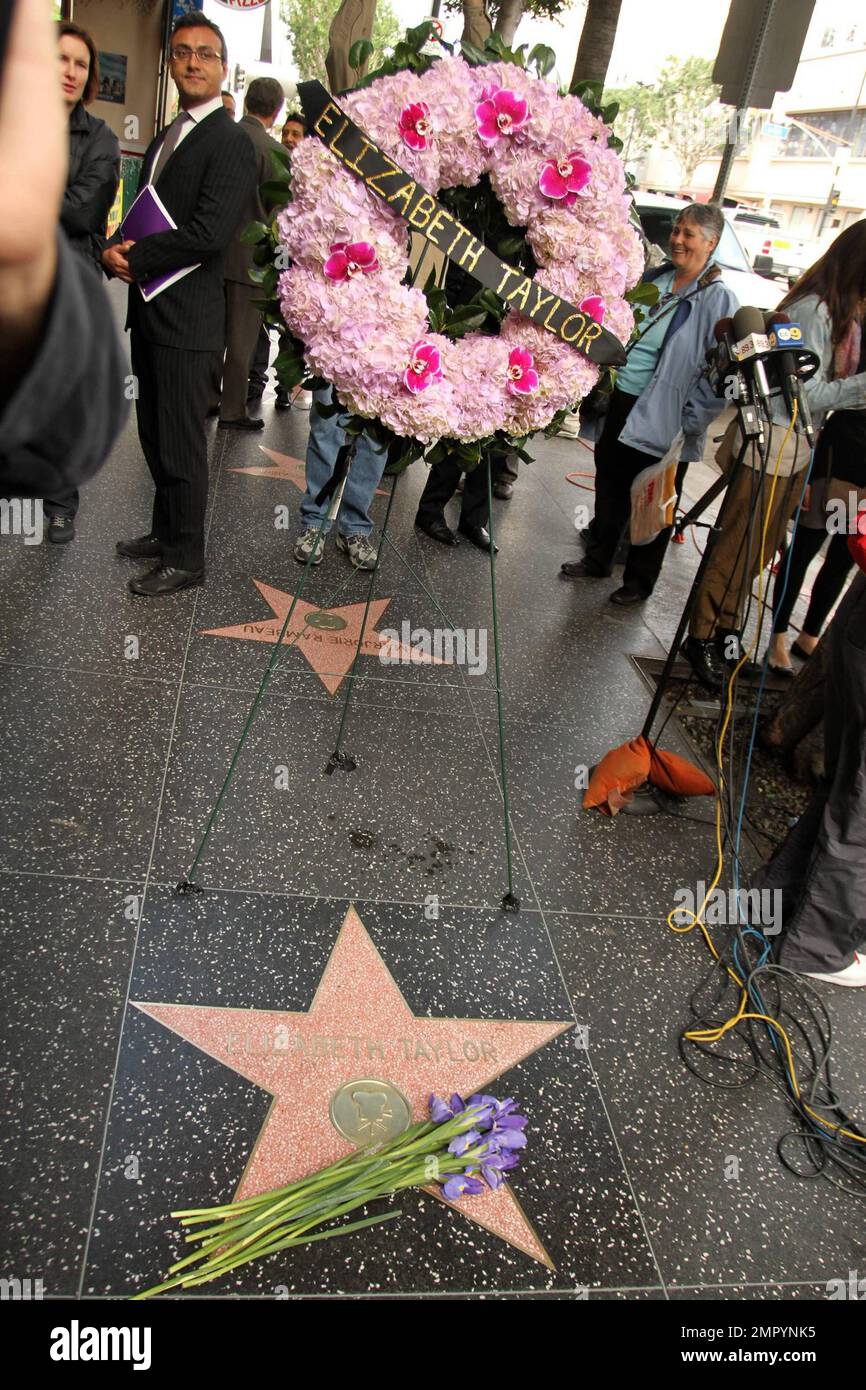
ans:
(112, 77)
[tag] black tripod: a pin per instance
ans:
(713, 532)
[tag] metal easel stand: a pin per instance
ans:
(713, 533)
(341, 473)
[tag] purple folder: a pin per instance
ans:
(148, 215)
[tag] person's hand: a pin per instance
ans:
(115, 262)
(31, 205)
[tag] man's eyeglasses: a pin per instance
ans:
(182, 54)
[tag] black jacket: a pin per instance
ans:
(239, 260)
(71, 400)
(94, 173)
(205, 186)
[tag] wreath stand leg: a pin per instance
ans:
(339, 758)
(336, 489)
(510, 901)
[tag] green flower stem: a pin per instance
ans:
(264, 1240)
(202, 1278)
(322, 1235)
(358, 1159)
(275, 1220)
(230, 1235)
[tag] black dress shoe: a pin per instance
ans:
(255, 393)
(437, 530)
(246, 422)
(704, 661)
(581, 569)
(60, 529)
(283, 401)
(628, 595)
(165, 580)
(479, 536)
(142, 548)
(503, 490)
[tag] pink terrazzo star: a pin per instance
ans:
(286, 468)
(330, 650)
(359, 1026)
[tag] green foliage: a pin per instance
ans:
(361, 52)
(308, 27)
(638, 112)
(539, 9)
(641, 296)
(679, 110)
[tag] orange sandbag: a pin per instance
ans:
(620, 770)
(671, 773)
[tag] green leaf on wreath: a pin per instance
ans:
(275, 193)
(421, 33)
(543, 59)
(589, 92)
(644, 293)
(281, 162)
(510, 245)
(360, 53)
(472, 54)
(253, 233)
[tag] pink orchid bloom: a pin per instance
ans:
(522, 376)
(563, 179)
(350, 258)
(424, 367)
(503, 113)
(594, 307)
(415, 125)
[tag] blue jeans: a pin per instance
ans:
(327, 436)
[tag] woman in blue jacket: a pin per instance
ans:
(659, 394)
(91, 187)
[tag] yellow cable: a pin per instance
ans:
(711, 1035)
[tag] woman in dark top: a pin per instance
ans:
(91, 187)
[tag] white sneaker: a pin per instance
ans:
(853, 975)
(309, 546)
(359, 550)
(570, 426)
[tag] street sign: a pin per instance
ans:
(779, 52)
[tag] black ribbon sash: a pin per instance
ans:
(378, 172)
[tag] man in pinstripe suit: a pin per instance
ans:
(203, 167)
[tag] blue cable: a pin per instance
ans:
(753, 992)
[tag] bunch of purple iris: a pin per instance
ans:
(491, 1148)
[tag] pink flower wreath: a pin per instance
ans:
(368, 333)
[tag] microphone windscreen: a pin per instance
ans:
(722, 328)
(747, 320)
(775, 316)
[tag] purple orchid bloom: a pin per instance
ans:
(562, 179)
(522, 376)
(464, 1142)
(510, 1138)
(424, 367)
(495, 1166)
(455, 1185)
(486, 1106)
(441, 1110)
(502, 113)
(594, 307)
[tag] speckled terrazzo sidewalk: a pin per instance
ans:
(113, 750)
